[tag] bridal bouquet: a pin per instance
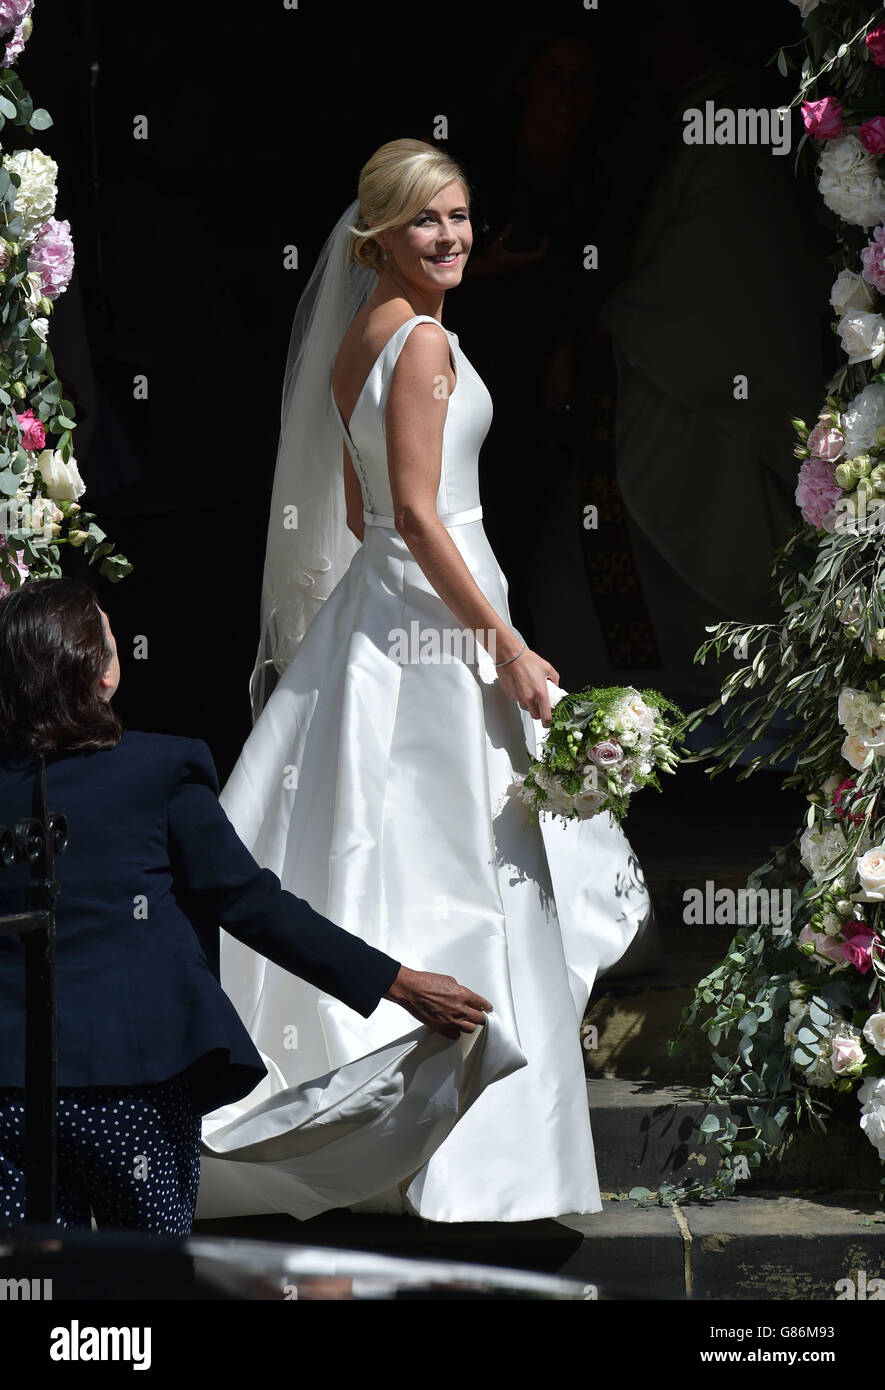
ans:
(602, 746)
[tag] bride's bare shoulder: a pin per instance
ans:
(364, 342)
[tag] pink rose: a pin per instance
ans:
(52, 257)
(817, 494)
(823, 119)
(858, 940)
(824, 945)
(847, 1053)
(607, 754)
(875, 42)
(873, 258)
(826, 443)
(872, 135)
(33, 433)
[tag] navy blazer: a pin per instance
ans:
(153, 868)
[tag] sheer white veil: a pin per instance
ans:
(308, 544)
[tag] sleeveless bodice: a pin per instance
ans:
(466, 425)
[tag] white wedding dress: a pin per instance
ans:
(376, 787)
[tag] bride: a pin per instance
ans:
(394, 703)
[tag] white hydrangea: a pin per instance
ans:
(862, 418)
(871, 1094)
(819, 849)
(35, 198)
(849, 182)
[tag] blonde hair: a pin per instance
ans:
(397, 181)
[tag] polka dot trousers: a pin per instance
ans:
(131, 1154)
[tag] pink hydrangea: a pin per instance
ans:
(13, 12)
(875, 42)
(14, 48)
(823, 119)
(826, 443)
(873, 258)
(52, 257)
(33, 433)
(817, 494)
(872, 135)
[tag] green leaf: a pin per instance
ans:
(65, 421)
(41, 119)
(8, 107)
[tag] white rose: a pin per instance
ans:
(40, 327)
(847, 710)
(849, 182)
(35, 198)
(857, 753)
(851, 291)
(871, 869)
(635, 712)
(62, 480)
(874, 1032)
(862, 418)
(832, 784)
(862, 335)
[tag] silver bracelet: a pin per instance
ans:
(512, 658)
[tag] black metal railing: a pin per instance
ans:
(36, 839)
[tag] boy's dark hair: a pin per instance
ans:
(53, 649)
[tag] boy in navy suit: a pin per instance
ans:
(148, 1041)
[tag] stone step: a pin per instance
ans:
(646, 1134)
(635, 1016)
(765, 1246)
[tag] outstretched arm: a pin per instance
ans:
(217, 874)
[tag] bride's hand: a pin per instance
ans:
(439, 1001)
(525, 681)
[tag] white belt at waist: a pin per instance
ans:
(447, 518)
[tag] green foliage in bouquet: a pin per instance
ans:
(641, 731)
